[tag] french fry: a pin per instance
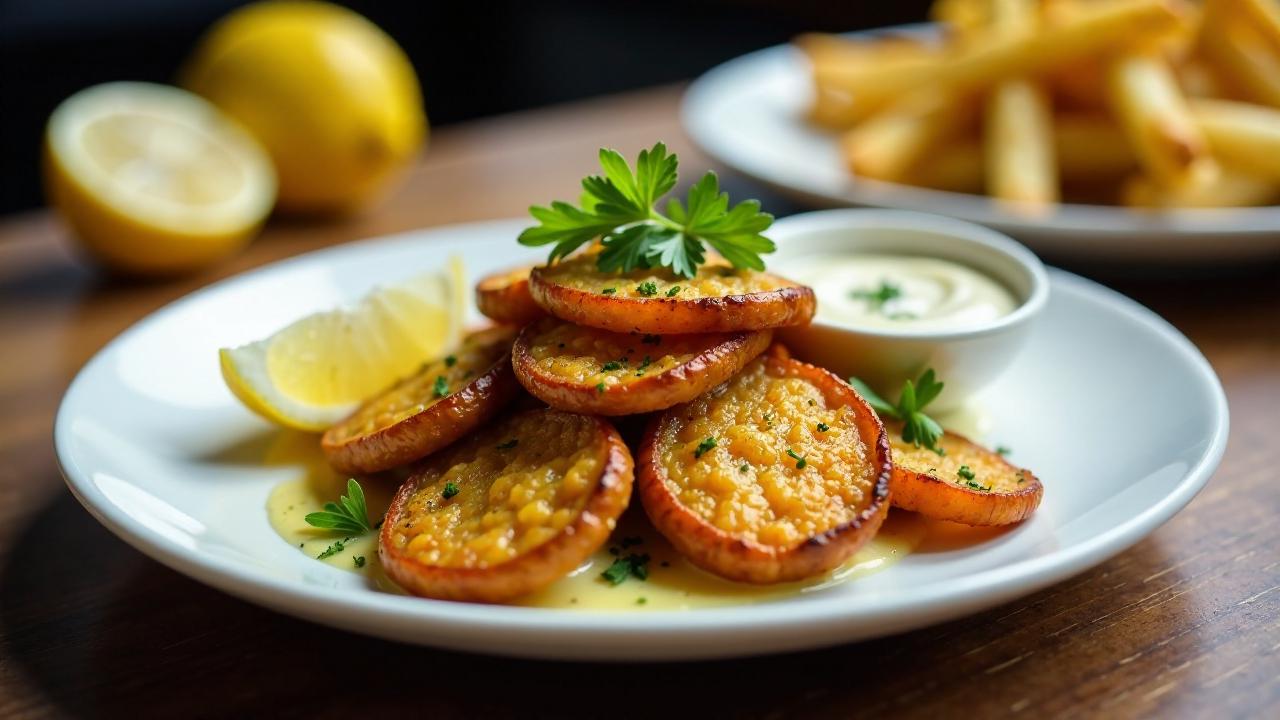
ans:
(887, 145)
(1228, 189)
(1240, 56)
(955, 167)
(980, 63)
(964, 15)
(1154, 116)
(1242, 135)
(1262, 15)
(831, 55)
(1091, 149)
(1018, 127)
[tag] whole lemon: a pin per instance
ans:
(331, 97)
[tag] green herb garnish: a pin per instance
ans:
(337, 547)
(632, 565)
(644, 365)
(1002, 450)
(965, 472)
(600, 387)
(358, 560)
(509, 444)
(704, 446)
(675, 290)
(349, 514)
(647, 288)
(619, 209)
(611, 365)
(823, 427)
(450, 361)
(800, 461)
(917, 428)
(743, 467)
(450, 489)
(441, 387)
(877, 297)
(609, 291)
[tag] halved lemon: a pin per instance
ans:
(318, 370)
(154, 179)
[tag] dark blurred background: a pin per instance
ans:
(473, 58)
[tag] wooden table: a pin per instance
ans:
(1186, 624)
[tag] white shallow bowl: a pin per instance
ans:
(967, 359)
(749, 114)
(157, 449)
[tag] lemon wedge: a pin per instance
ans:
(154, 179)
(319, 369)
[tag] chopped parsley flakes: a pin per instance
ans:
(441, 387)
(611, 365)
(358, 561)
(450, 361)
(704, 446)
(647, 288)
(823, 427)
(609, 291)
(800, 461)
(450, 489)
(636, 566)
(965, 472)
(675, 290)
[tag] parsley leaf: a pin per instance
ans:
(877, 297)
(440, 388)
(349, 514)
(450, 489)
(619, 209)
(704, 447)
(917, 428)
(632, 565)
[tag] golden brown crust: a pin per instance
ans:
(745, 559)
(570, 291)
(991, 491)
(605, 373)
(533, 569)
(363, 444)
(504, 297)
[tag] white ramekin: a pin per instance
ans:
(965, 359)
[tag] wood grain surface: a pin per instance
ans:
(1186, 624)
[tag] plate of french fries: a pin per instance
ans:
(1100, 130)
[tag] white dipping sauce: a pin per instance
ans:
(901, 291)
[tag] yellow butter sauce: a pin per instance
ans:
(672, 582)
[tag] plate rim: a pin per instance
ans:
(581, 633)
(1068, 218)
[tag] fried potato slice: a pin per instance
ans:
(969, 484)
(606, 373)
(444, 400)
(504, 297)
(719, 298)
(509, 510)
(780, 474)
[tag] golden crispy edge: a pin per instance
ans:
(938, 499)
(535, 569)
(502, 300)
(781, 307)
(654, 392)
(738, 559)
(436, 427)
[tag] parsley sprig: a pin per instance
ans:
(619, 208)
(917, 428)
(349, 514)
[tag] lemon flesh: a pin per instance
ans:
(154, 179)
(318, 370)
(333, 99)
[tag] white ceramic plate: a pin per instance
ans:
(749, 114)
(153, 444)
